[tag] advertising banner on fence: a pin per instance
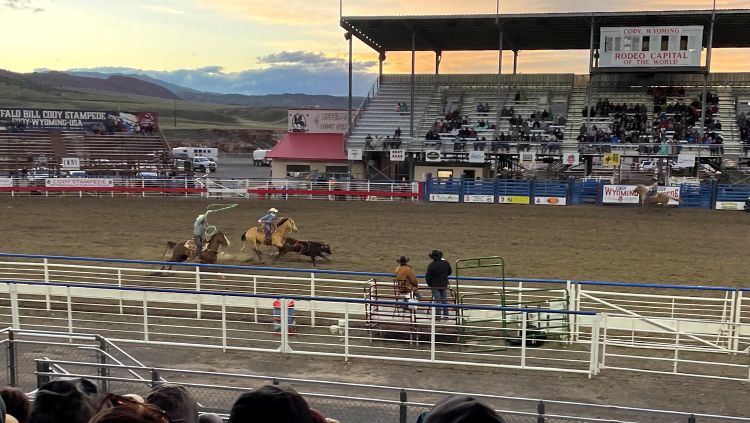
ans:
(79, 182)
(514, 199)
(445, 198)
(550, 201)
(6, 182)
(318, 121)
(730, 205)
(479, 198)
(71, 163)
(651, 46)
(110, 122)
(626, 194)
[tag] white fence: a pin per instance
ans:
(656, 328)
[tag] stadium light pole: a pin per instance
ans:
(708, 71)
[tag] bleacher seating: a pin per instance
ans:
(120, 153)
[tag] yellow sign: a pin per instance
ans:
(612, 159)
(514, 199)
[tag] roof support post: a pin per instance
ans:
(413, 61)
(381, 59)
(708, 71)
(438, 59)
(499, 79)
(591, 74)
(515, 61)
(348, 37)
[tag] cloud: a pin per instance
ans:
(311, 60)
(21, 5)
(283, 72)
(161, 9)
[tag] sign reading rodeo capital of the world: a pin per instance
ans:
(17, 118)
(650, 46)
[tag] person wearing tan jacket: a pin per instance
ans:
(406, 278)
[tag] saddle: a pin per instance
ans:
(190, 245)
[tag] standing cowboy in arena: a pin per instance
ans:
(267, 222)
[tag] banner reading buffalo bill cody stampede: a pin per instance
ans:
(17, 118)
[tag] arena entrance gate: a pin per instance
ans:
(485, 331)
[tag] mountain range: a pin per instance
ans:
(144, 85)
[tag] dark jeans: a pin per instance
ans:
(440, 296)
(198, 244)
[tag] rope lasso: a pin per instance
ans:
(212, 208)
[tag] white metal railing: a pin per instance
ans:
(264, 323)
(651, 318)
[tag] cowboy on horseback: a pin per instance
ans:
(199, 231)
(653, 190)
(267, 222)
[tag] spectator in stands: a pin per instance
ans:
(462, 409)
(122, 409)
(406, 279)
(545, 114)
(436, 277)
(66, 401)
(176, 402)
(397, 133)
(16, 403)
(368, 141)
(271, 403)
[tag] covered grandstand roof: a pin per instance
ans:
(534, 31)
(310, 147)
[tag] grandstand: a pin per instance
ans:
(506, 116)
(28, 150)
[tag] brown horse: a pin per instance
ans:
(181, 251)
(661, 199)
(256, 237)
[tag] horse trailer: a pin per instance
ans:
(190, 152)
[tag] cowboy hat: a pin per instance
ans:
(436, 255)
(272, 210)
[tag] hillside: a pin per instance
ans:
(113, 84)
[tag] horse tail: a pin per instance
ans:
(242, 238)
(171, 244)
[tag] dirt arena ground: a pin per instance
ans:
(584, 243)
(593, 243)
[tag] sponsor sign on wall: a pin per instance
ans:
(79, 119)
(476, 156)
(730, 205)
(445, 198)
(626, 194)
(6, 182)
(571, 159)
(318, 121)
(432, 156)
(550, 201)
(354, 154)
(514, 199)
(398, 155)
(79, 182)
(71, 163)
(612, 159)
(651, 46)
(479, 198)
(686, 160)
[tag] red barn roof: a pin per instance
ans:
(314, 147)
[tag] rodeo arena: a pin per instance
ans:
(517, 317)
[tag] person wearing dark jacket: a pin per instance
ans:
(437, 279)
(462, 409)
